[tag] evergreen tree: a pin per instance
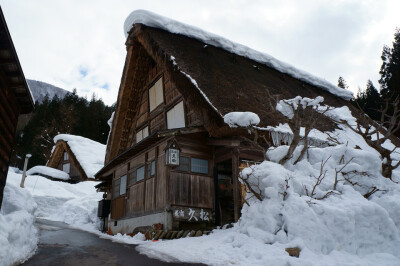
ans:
(390, 69)
(342, 83)
(70, 115)
(370, 101)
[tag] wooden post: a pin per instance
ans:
(24, 173)
(236, 184)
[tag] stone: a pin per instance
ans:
(180, 234)
(186, 233)
(174, 234)
(192, 233)
(163, 234)
(168, 235)
(157, 234)
(293, 252)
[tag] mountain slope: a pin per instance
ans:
(40, 89)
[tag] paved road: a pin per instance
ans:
(60, 245)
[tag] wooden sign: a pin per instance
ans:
(191, 214)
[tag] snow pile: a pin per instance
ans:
(241, 119)
(320, 205)
(48, 171)
(90, 154)
(18, 235)
(286, 107)
(75, 204)
(154, 20)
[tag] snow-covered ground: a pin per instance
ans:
(331, 224)
(74, 204)
(18, 235)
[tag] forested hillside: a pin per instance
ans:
(72, 114)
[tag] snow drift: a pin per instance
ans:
(336, 221)
(18, 235)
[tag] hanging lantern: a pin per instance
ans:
(172, 153)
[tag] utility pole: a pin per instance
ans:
(24, 173)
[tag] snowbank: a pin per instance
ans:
(18, 235)
(241, 119)
(154, 20)
(333, 223)
(48, 171)
(89, 153)
(74, 204)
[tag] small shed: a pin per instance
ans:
(15, 98)
(77, 156)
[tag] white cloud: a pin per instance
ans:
(55, 40)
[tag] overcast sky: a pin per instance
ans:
(80, 43)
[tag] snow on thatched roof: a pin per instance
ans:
(90, 154)
(156, 21)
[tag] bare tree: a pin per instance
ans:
(375, 134)
(302, 116)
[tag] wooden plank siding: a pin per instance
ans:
(9, 112)
(191, 190)
(118, 208)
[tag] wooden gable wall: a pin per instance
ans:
(57, 160)
(156, 119)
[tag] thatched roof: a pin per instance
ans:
(213, 80)
(87, 155)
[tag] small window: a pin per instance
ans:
(142, 134)
(183, 164)
(140, 173)
(151, 169)
(156, 96)
(132, 178)
(122, 186)
(176, 116)
(66, 157)
(199, 166)
(66, 168)
(116, 188)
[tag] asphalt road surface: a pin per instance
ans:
(60, 245)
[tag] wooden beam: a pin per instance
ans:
(224, 142)
(236, 184)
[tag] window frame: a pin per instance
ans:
(152, 85)
(69, 167)
(171, 109)
(141, 131)
(176, 168)
(126, 184)
(115, 181)
(200, 159)
(66, 156)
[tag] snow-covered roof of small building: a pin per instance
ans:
(48, 171)
(89, 153)
(157, 21)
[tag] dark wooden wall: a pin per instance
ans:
(9, 112)
(73, 173)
